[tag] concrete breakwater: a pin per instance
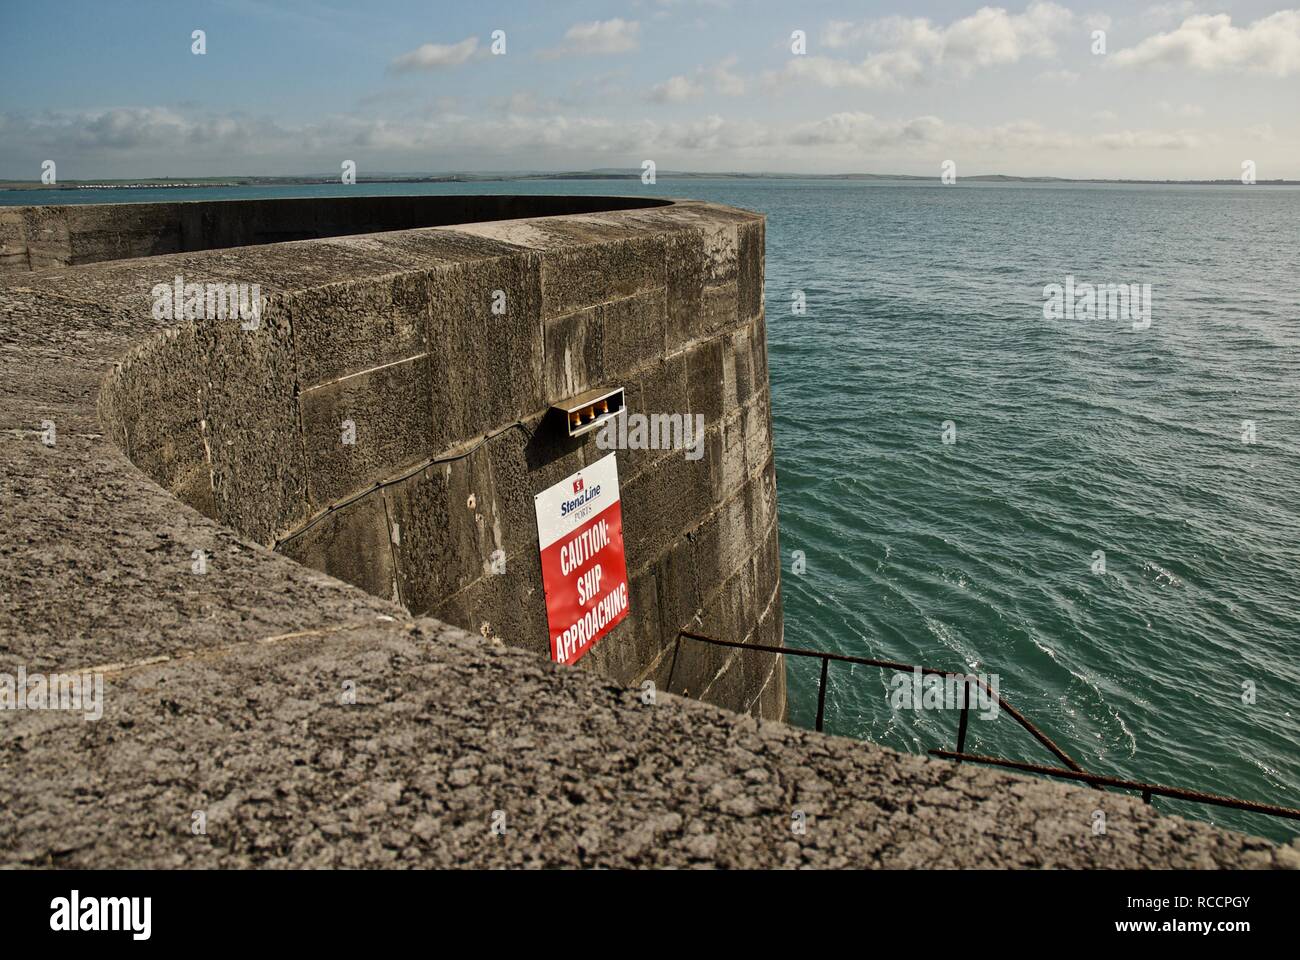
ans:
(182, 506)
(339, 430)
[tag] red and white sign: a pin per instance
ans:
(584, 572)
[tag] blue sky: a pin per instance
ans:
(1184, 89)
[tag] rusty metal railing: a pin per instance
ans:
(1071, 771)
(1147, 789)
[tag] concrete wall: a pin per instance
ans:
(44, 237)
(394, 332)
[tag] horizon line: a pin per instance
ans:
(610, 173)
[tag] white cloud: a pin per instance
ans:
(1212, 44)
(434, 56)
(992, 36)
(726, 82)
(882, 71)
(598, 37)
(1165, 12)
(864, 131)
(680, 88)
(916, 46)
(675, 90)
(714, 134)
(1149, 140)
(841, 33)
(163, 141)
(526, 101)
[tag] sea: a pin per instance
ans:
(1099, 509)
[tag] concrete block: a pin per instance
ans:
(731, 611)
(120, 231)
(720, 252)
(695, 666)
(156, 397)
(706, 375)
(660, 389)
(721, 310)
(391, 415)
(510, 608)
(661, 503)
(727, 687)
(577, 277)
(753, 421)
(487, 367)
(767, 559)
(519, 467)
(772, 701)
(48, 241)
(574, 357)
(684, 274)
(726, 453)
(259, 474)
(633, 332)
(734, 541)
(432, 559)
(349, 327)
(741, 368)
(13, 241)
(352, 544)
(679, 590)
(419, 250)
(449, 522)
(194, 487)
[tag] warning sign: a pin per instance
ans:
(584, 573)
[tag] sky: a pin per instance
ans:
(1176, 90)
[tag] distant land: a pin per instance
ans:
(155, 183)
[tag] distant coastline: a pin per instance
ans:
(199, 182)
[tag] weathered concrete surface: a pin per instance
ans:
(223, 691)
(450, 732)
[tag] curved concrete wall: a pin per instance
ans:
(394, 333)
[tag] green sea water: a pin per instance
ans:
(924, 307)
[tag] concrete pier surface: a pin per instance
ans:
(265, 712)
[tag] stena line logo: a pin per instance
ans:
(584, 569)
(583, 497)
(77, 913)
